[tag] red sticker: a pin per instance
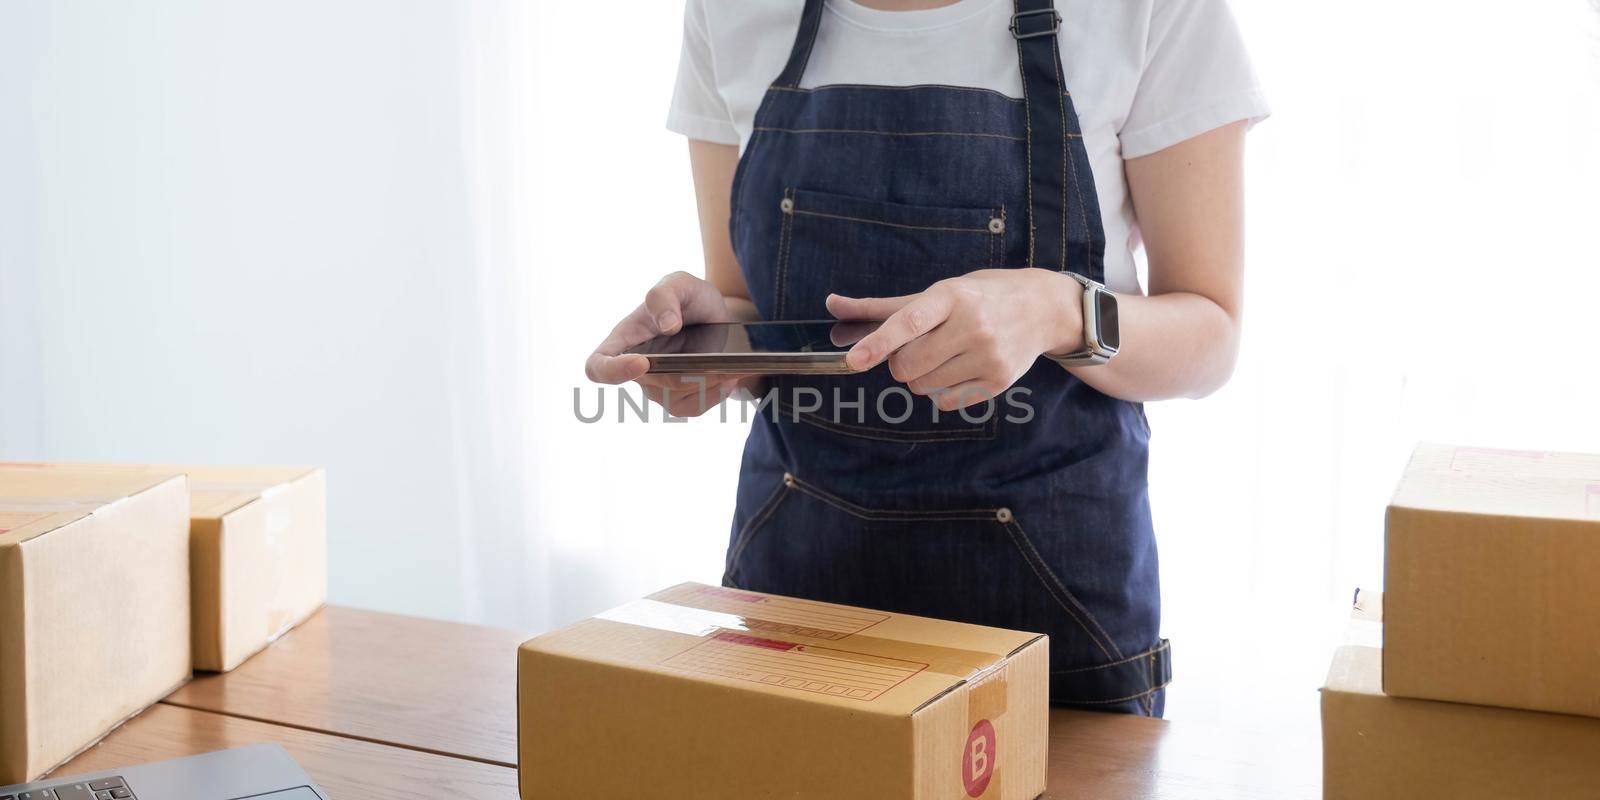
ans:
(978, 759)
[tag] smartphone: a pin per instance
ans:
(811, 347)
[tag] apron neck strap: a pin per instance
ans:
(800, 53)
(1058, 164)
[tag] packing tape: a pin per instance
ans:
(22, 512)
(709, 623)
(217, 498)
(982, 769)
(279, 517)
(26, 505)
(988, 696)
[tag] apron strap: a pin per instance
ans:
(800, 53)
(1058, 164)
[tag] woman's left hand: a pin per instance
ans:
(966, 340)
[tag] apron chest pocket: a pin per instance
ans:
(830, 243)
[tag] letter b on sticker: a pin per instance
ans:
(978, 759)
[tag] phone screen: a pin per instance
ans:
(757, 338)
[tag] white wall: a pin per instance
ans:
(330, 232)
(245, 232)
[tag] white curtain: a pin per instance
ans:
(383, 236)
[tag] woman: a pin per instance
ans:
(924, 162)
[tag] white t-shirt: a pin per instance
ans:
(1144, 74)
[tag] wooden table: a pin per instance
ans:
(348, 769)
(383, 706)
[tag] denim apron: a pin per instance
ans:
(1030, 513)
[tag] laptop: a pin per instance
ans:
(257, 772)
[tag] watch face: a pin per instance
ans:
(1106, 309)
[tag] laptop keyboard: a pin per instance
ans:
(99, 789)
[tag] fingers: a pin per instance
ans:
(607, 364)
(923, 313)
(926, 353)
(664, 302)
(865, 308)
(844, 334)
(676, 298)
(682, 384)
(968, 393)
(954, 372)
(693, 398)
(681, 296)
(614, 369)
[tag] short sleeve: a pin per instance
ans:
(1197, 77)
(698, 110)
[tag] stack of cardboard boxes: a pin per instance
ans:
(117, 581)
(1488, 680)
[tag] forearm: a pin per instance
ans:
(1182, 340)
(1178, 344)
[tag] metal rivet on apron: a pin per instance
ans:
(1003, 515)
(788, 480)
(786, 205)
(997, 225)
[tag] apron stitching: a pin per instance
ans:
(1149, 681)
(1027, 116)
(1066, 154)
(832, 86)
(1051, 586)
(1148, 692)
(754, 525)
(863, 131)
(974, 432)
(868, 514)
(909, 437)
(1110, 664)
(784, 235)
(984, 231)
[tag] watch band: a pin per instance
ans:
(1092, 352)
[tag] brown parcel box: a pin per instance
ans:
(706, 692)
(1490, 574)
(259, 557)
(1375, 746)
(94, 606)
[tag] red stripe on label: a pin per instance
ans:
(753, 641)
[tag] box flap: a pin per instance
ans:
(38, 498)
(1475, 480)
(868, 661)
(1356, 670)
(216, 491)
(213, 491)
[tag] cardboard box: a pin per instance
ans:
(94, 606)
(1376, 746)
(1490, 575)
(258, 552)
(707, 692)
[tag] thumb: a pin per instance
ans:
(873, 308)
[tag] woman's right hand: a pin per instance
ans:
(679, 299)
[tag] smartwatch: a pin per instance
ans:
(1100, 333)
